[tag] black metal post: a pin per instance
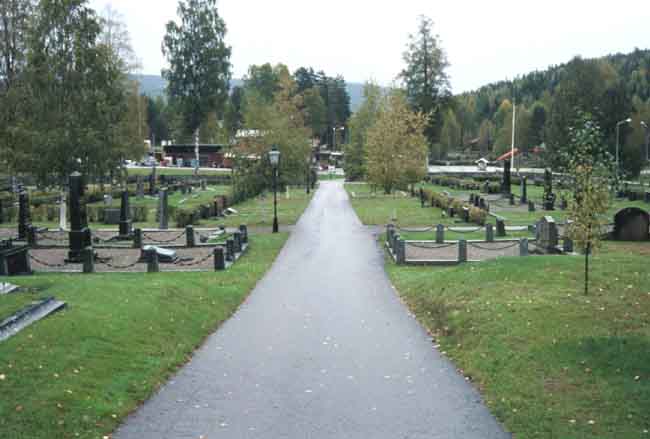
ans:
(308, 178)
(275, 200)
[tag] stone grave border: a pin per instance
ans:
(28, 315)
(396, 246)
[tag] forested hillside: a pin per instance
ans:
(611, 88)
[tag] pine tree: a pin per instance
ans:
(425, 77)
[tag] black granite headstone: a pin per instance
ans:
(24, 217)
(79, 234)
(125, 216)
(631, 224)
(506, 184)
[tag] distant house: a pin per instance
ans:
(210, 155)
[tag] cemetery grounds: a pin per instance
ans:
(548, 360)
(79, 372)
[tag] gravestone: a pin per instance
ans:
(164, 255)
(477, 201)
(63, 214)
(481, 203)
(163, 209)
(511, 199)
(501, 227)
(631, 224)
(108, 200)
(24, 217)
(549, 196)
(531, 206)
(139, 188)
(524, 190)
(506, 183)
(79, 235)
(563, 204)
(14, 261)
(547, 234)
(646, 198)
(1, 212)
(112, 216)
(125, 216)
(465, 214)
(204, 185)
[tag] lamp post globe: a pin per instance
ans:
(274, 158)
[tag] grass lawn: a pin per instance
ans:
(549, 361)
(378, 209)
(79, 372)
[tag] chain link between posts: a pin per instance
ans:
(425, 246)
(46, 264)
(419, 230)
(162, 241)
(464, 231)
(194, 263)
(492, 249)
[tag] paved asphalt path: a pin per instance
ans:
(323, 348)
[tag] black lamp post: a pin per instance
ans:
(274, 158)
(308, 174)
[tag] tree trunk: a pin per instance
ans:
(587, 251)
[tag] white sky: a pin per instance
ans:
(485, 40)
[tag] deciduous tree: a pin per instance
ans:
(591, 169)
(396, 148)
(199, 62)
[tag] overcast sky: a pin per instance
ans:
(361, 39)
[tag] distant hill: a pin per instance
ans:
(154, 85)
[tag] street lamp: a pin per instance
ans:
(618, 126)
(334, 130)
(647, 138)
(274, 158)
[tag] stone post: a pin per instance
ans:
(230, 250)
(244, 233)
(152, 261)
(451, 212)
(1, 213)
(204, 185)
(440, 234)
(23, 215)
(189, 236)
(401, 252)
(567, 245)
(421, 197)
(162, 209)
(88, 260)
(531, 206)
(238, 241)
(511, 198)
(125, 215)
(462, 251)
(219, 259)
(523, 247)
(137, 238)
(79, 235)
(524, 190)
(489, 233)
(396, 239)
(501, 228)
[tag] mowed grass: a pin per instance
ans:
(376, 208)
(549, 361)
(78, 373)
